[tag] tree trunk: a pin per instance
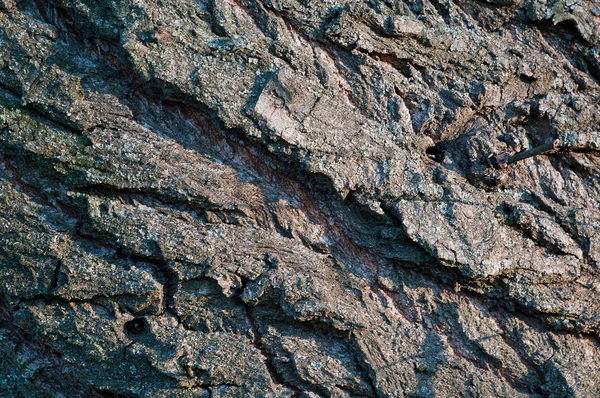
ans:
(291, 198)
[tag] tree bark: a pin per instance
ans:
(279, 198)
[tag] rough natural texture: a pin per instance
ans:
(277, 198)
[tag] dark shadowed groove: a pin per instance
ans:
(110, 394)
(265, 352)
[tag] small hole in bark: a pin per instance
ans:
(135, 327)
(435, 153)
(527, 79)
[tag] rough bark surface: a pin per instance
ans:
(277, 198)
